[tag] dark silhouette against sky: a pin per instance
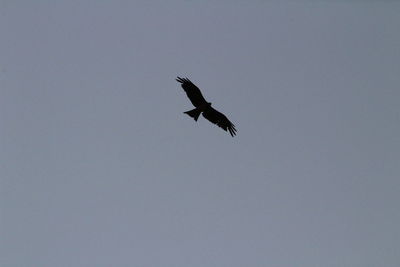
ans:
(99, 167)
(204, 107)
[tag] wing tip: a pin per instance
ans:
(183, 80)
(232, 130)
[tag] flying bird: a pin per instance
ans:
(202, 106)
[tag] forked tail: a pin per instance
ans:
(194, 113)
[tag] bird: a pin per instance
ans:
(204, 107)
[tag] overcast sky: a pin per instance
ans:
(100, 167)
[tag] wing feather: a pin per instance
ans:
(192, 91)
(219, 119)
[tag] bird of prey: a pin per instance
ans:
(202, 106)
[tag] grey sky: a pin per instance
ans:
(100, 167)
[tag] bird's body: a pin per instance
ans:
(204, 107)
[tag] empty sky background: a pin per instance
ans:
(100, 167)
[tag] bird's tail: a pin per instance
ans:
(194, 113)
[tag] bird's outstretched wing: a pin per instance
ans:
(219, 119)
(192, 91)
